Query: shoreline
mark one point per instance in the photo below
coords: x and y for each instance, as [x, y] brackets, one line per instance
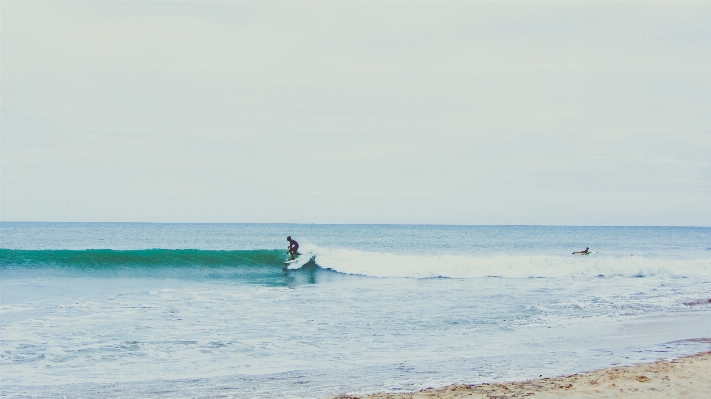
[688, 376]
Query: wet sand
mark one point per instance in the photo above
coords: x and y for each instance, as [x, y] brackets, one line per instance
[687, 377]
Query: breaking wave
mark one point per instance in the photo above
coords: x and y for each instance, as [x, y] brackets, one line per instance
[355, 262]
[506, 266]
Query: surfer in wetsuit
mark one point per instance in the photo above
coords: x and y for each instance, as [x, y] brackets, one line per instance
[582, 252]
[293, 247]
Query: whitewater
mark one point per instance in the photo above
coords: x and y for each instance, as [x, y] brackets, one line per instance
[209, 310]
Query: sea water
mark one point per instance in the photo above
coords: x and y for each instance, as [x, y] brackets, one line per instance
[208, 310]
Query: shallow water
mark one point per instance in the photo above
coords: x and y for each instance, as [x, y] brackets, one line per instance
[374, 308]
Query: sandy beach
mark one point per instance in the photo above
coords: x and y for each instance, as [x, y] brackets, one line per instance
[687, 377]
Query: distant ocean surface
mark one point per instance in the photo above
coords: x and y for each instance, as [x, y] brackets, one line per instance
[208, 310]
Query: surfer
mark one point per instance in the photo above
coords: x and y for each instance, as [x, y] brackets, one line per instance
[583, 252]
[293, 247]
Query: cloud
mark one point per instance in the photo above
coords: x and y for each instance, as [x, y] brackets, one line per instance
[437, 112]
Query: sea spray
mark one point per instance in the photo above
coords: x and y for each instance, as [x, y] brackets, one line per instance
[376, 264]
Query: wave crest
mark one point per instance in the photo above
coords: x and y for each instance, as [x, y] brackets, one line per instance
[373, 264]
[508, 266]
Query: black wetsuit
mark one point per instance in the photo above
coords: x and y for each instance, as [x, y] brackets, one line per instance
[293, 247]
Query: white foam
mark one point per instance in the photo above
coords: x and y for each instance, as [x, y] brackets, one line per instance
[303, 259]
[422, 266]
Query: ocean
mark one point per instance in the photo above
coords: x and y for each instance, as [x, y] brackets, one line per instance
[124, 310]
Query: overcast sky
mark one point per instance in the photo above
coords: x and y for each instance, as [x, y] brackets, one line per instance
[461, 112]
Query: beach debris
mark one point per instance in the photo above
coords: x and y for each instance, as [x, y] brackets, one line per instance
[699, 302]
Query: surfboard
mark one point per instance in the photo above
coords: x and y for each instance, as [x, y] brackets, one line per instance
[300, 260]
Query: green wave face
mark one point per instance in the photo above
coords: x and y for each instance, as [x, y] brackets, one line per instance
[249, 266]
[107, 258]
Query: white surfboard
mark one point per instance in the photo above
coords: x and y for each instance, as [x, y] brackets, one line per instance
[300, 261]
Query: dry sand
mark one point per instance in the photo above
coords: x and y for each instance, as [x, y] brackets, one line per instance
[688, 377]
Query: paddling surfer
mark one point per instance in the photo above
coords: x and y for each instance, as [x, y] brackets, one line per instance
[293, 247]
[583, 252]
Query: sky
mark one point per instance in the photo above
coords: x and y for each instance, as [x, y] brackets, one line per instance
[423, 112]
